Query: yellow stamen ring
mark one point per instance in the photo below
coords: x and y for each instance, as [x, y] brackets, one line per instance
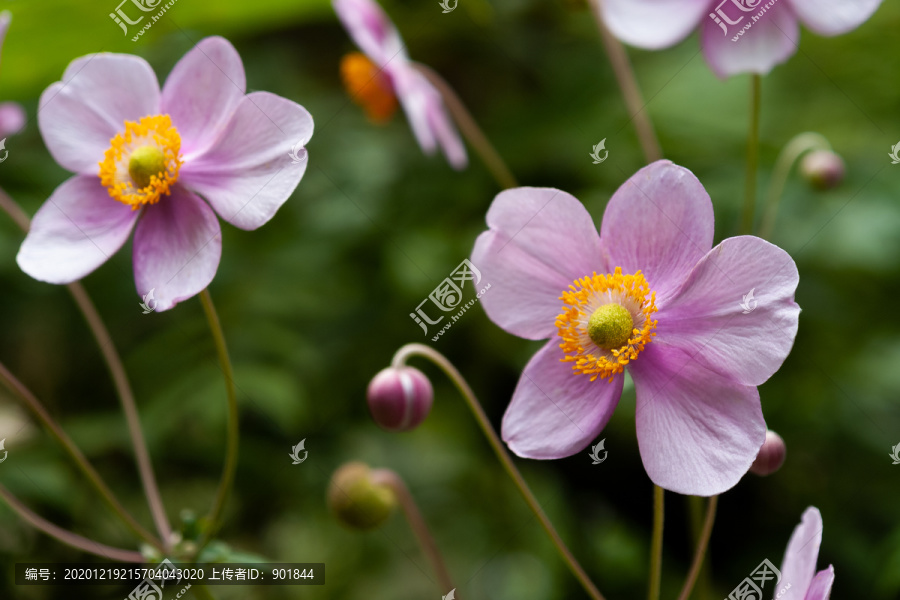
[606, 322]
[142, 162]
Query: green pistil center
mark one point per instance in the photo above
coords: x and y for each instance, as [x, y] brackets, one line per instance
[610, 326]
[145, 162]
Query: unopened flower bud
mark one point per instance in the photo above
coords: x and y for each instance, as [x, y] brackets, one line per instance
[771, 455]
[356, 500]
[400, 398]
[823, 169]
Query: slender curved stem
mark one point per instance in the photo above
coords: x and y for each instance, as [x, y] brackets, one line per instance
[656, 543]
[752, 155]
[447, 367]
[696, 510]
[120, 380]
[790, 154]
[631, 92]
[417, 524]
[231, 452]
[470, 129]
[65, 536]
[700, 553]
[69, 446]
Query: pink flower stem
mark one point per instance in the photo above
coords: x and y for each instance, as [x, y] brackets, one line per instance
[752, 155]
[470, 130]
[35, 406]
[700, 552]
[631, 92]
[65, 536]
[656, 543]
[454, 375]
[417, 524]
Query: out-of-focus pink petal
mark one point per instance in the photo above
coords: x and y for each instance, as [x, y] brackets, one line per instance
[79, 115]
[447, 136]
[12, 118]
[5, 20]
[799, 562]
[202, 92]
[371, 30]
[256, 163]
[539, 242]
[698, 432]
[177, 246]
[653, 24]
[555, 413]
[768, 42]
[76, 230]
[833, 17]
[660, 222]
[417, 96]
[820, 588]
[736, 311]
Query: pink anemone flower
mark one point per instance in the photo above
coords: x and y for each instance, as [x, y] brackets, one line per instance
[799, 580]
[697, 327]
[384, 73]
[12, 116]
[143, 157]
[737, 36]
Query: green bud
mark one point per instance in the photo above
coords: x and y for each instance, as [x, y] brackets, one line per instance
[356, 500]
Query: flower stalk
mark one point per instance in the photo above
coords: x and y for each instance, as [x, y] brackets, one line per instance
[752, 155]
[700, 552]
[656, 543]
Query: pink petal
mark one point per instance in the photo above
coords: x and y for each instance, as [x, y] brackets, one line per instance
[707, 319]
[820, 588]
[418, 97]
[799, 562]
[5, 20]
[371, 29]
[653, 24]
[76, 230]
[202, 92]
[540, 241]
[447, 136]
[555, 413]
[177, 247]
[660, 222]
[698, 432]
[833, 17]
[12, 118]
[256, 163]
[79, 115]
[768, 42]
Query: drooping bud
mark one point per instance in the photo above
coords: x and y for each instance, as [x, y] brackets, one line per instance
[771, 455]
[399, 398]
[356, 500]
[823, 169]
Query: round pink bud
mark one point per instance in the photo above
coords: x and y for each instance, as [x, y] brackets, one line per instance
[771, 455]
[823, 169]
[399, 398]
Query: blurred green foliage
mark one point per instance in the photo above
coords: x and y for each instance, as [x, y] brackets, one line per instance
[316, 302]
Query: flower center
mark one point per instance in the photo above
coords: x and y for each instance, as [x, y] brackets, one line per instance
[368, 86]
[142, 162]
[606, 322]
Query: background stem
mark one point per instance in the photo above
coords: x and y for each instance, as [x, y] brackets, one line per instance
[656, 543]
[752, 155]
[700, 553]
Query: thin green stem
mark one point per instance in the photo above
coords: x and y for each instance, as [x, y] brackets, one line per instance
[656, 543]
[417, 524]
[65, 536]
[447, 367]
[34, 405]
[700, 552]
[120, 380]
[631, 91]
[470, 130]
[793, 150]
[233, 434]
[696, 510]
[752, 155]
